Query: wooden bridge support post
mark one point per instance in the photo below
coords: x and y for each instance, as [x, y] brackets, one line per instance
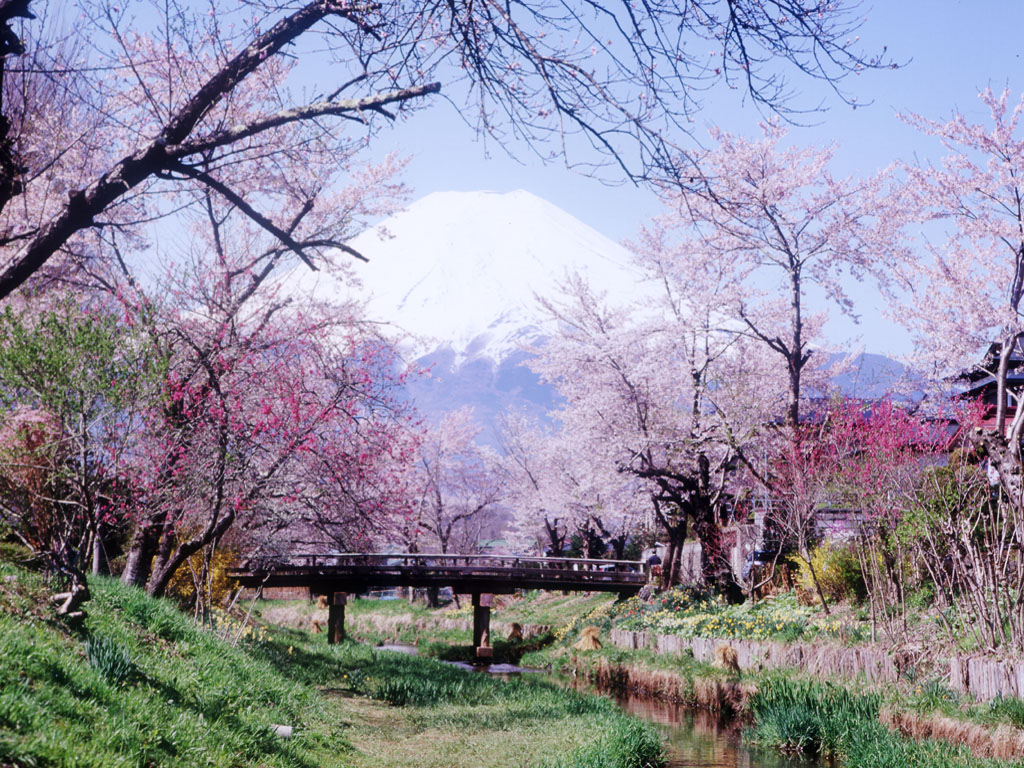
[336, 618]
[482, 625]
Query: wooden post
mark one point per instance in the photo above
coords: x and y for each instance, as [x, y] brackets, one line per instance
[482, 625]
[336, 618]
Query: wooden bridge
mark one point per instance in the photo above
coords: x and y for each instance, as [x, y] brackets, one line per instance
[481, 576]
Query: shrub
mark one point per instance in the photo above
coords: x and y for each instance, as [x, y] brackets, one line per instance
[838, 572]
[182, 586]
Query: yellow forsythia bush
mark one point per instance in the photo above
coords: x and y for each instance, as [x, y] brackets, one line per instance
[182, 586]
[838, 571]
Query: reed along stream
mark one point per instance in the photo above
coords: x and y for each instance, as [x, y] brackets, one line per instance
[692, 739]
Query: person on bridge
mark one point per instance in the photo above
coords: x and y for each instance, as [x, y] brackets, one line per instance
[654, 567]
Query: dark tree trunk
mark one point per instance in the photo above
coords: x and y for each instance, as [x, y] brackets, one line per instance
[556, 540]
[618, 544]
[675, 530]
[716, 571]
[162, 560]
[141, 550]
[167, 566]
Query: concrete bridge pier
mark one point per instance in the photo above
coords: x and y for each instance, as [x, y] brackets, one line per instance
[336, 617]
[482, 602]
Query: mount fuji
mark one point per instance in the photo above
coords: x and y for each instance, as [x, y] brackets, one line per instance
[458, 275]
[462, 270]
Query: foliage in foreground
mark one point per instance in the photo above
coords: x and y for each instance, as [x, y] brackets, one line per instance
[827, 719]
[140, 686]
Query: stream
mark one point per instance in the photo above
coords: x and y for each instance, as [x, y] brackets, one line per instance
[692, 739]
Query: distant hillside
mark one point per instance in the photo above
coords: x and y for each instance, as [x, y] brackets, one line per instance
[871, 376]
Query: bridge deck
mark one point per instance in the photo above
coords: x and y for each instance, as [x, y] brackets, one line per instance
[497, 574]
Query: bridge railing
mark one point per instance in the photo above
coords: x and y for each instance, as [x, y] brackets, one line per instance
[442, 561]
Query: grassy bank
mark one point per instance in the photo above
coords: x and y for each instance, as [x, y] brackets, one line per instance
[525, 721]
[807, 716]
[140, 685]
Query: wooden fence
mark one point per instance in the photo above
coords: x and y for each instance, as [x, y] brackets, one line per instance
[986, 679]
[874, 664]
[982, 678]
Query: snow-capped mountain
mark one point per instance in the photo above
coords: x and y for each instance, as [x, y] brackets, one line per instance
[459, 271]
[458, 275]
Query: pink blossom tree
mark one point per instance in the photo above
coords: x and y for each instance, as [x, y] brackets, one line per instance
[650, 388]
[965, 294]
[526, 452]
[559, 486]
[863, 457]
[779, 231]
[247, 422]
[961, 299]
[456, 486]
[781, 226]
[272, 401]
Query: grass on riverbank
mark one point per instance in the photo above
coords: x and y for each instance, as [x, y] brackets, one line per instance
[140, 685]
[542, 720]
[813, 717]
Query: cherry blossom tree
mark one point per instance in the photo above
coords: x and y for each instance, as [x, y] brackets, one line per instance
[559, 485]
[354, 494]
[246, 413]
[965, 295]
[525, 447]
[456, 485]
[272, 402]
[657, 389]
[115, 115]
[961, 300]
[783, 226]
[780, 230]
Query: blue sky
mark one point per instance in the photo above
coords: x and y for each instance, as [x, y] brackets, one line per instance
[952, 48]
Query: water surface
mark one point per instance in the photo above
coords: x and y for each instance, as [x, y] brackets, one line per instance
[699, 739]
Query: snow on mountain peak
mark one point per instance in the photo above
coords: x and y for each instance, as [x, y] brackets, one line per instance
[462, 269]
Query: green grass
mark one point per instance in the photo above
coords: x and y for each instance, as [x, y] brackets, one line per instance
[140, 685]
[631, 744]
[553, 608]
[806, 716]
[445, 697]
[828, 719]
[789, 714]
